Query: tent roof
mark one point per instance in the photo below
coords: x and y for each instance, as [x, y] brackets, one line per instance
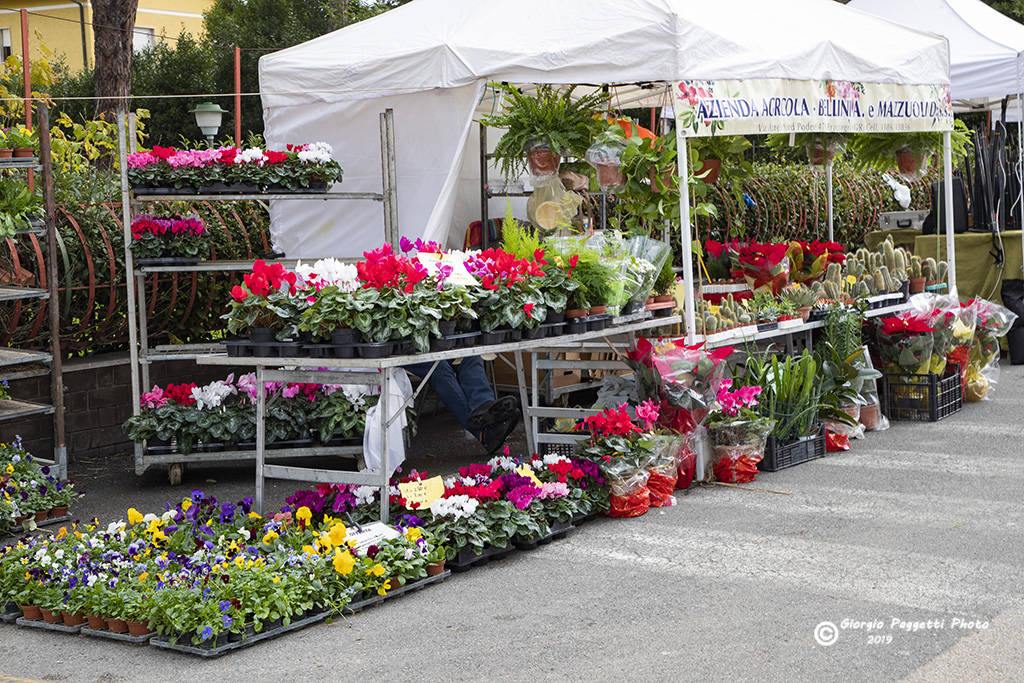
[984, 45]
[429, 44]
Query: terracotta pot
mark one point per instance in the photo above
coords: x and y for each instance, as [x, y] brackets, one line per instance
[650, 300]
[50, 616]
[397, 582]
[41, 515]
[610, 175]
[869, 416]
[117, 625]
[70, 619]
[916, 285]
[96, 623]
[598, 310]
[818, 155]
[139, 628]
[543, 161]
[906, 162]
[664, 298]
[805, 312]
[31, 612]
[575, 313]
[20, 519]
[59, 511]
[23, 152]
[713, 167]
[666, 178]
[6, 152]
[435, 569]
[853, 410]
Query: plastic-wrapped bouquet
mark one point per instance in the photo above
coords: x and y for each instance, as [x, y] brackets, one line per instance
[906, 342]
[992, 322]
[738, 434]
[765, 266]
[808, 260]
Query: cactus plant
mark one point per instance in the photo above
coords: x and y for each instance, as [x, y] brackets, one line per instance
[915, 267]
[943, 269]
[930, 270]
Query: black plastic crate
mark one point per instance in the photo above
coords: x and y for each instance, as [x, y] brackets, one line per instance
[778, 455]
[924, 398]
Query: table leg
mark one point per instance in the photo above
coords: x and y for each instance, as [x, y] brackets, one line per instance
[531, 443]
[261, 411]
[385, 457]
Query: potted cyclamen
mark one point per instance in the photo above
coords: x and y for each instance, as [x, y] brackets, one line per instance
[738, 434]
[257, 305]
[180, 240]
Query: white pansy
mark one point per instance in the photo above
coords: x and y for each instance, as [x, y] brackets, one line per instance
[168, 515]
[409, 553]
[244, 533]
[150, 517]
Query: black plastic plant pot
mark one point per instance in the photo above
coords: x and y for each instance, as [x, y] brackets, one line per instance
[404, 347]
[344, 335]
[555, 317]
[337, 441]
[513, 335]
[264, 350]
[375, 349]
[465, 339]
[318, 350]
[526, 543]
[141, 191]
[442, 344]
[576, 326]
[291, 350]
[663, 313]
[290, 443]
[168, 261]
[493, 337]
[533, 333]
[213, 642]
[344, 351]
[262, 335]
[447, 327]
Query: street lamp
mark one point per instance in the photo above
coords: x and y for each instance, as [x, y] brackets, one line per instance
[208, 116]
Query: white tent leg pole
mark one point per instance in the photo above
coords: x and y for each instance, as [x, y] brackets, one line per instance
[1020, 171]
[947, 167]
[828, 187]
[686, 238]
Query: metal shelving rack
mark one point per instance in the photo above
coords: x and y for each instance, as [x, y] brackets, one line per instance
[24, 363]
[142, 355]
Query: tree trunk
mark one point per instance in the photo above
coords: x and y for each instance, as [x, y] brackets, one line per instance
[113, 25]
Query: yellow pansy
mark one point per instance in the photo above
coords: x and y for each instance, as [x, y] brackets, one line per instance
[343, 562]
[134, 516]
[270, 537]
[253, 515]
[154, 526]
[303, 514]
[143, 576]
[10, 469]
[337, 534]
[62, 532]
[413, 534]
[186, 503]
[378, 569]
[328, 521]
[276, 579]
[240, 561]
[309, 550]
[383, 590]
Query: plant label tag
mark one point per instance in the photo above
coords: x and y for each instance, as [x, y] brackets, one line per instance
[458, 275]
[851, 279]
[525, 471]
[421, 493]
[371, 534]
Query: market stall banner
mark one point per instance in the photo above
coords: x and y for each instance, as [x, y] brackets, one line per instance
[779, 105]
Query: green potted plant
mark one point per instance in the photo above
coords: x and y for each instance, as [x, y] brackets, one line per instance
[605, 155]
[6, 151]
[908, 152]
[544, 127]
[22, 141]
[821, 148]
[716, 150]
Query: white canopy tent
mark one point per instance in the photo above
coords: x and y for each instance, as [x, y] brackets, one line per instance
[431, 60]
[986, 52]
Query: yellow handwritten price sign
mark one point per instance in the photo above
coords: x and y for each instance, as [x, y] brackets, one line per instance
[420, 494]
[525, 471]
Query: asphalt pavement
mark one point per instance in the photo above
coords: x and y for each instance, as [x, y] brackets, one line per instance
[901, 558]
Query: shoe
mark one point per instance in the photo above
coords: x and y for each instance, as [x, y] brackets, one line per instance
[494, 438]
[492, 414]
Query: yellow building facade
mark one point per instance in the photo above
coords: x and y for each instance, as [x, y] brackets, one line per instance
[65, 28]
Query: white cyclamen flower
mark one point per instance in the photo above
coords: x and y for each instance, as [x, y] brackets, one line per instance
[316, 153]
[251, 155]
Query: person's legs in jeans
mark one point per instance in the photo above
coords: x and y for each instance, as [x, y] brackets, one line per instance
[447, 386]
[474, 383]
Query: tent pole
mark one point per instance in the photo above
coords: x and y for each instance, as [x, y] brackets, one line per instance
[686, 239]
[1020, 171]
[828, 185]
[947, 167]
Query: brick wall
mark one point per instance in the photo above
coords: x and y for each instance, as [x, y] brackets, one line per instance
[97, 400]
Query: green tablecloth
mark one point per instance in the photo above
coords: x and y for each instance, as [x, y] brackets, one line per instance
[976, 271]
[901, 238]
